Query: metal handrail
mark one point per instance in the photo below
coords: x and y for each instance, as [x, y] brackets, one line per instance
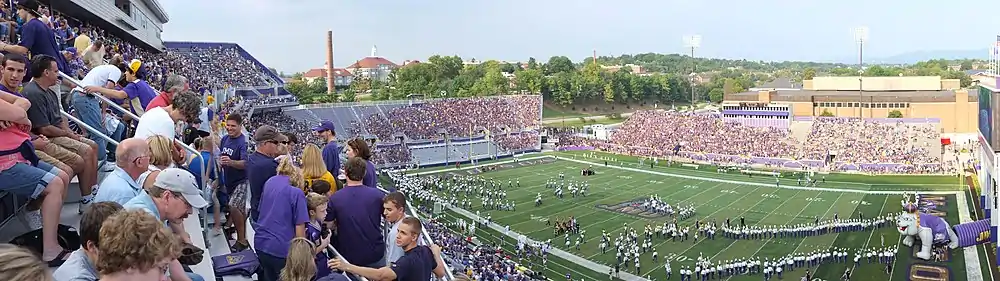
[87, 127]
[424, 235]
[203, 212]
[341, 257]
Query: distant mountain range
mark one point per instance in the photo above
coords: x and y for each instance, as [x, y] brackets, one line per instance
[914, 57]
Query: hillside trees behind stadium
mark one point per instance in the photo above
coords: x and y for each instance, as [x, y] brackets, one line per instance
[924, 68]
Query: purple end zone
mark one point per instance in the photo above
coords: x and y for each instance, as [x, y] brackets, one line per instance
[973, 233]
[927, 272]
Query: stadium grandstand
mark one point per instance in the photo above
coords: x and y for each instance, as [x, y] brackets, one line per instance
[227, 81]
[204, 138]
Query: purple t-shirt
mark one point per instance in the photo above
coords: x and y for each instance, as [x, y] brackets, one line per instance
[370, 179]
[331, 157]
[937, 226]
[284, 208]
[417, 264]
[142, 91]
[260, 168]
[358, 212]
[40, 40]
[14, 91]
[236, 149]
[314, 234]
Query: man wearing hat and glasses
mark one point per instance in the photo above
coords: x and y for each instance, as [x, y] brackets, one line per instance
[260, 165]
[173, 196]
[37, 38]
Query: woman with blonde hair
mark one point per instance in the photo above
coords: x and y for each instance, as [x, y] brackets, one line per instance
[20, 264]
[162, 152]
[161, 156]
[299, 265]
[313, 168]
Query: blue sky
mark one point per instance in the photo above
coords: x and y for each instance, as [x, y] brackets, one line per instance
[290, 34]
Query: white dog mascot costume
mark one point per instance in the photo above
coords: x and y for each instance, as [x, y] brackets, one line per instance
[929, 229]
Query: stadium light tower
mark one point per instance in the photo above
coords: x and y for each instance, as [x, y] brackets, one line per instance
[693, 42]
[860, 36]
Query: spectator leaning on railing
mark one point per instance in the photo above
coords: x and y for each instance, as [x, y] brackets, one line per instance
[46, 120]
[23, 174]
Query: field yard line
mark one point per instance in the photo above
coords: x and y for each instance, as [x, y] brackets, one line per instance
[619, 215]
[552, 205]
[803, 241]
[546, 206]
[881, 192]
[709, 215]
[873, 234]
[730, 204]
[829, 182]
[764, 218]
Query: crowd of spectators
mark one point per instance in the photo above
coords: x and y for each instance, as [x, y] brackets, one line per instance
[480, 261]
[708, 137]
[518, 141]
[457, 117]
[86, 46]
[657, 133]
[870, 142]
[216, 67]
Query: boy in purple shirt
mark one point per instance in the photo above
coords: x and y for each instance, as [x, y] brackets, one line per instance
[317, 233]
[283, 216]
[356, 213]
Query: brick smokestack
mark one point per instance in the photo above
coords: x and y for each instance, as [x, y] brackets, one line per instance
[329, 62]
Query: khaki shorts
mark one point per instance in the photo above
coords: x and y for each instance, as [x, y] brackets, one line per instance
[69, 151]
[45, 157]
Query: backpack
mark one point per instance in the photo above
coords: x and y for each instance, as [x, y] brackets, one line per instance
[69, 239]
[243, 263]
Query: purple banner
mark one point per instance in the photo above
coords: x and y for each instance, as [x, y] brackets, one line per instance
[973, 233]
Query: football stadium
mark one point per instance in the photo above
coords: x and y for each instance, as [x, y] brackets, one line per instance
[126, 157]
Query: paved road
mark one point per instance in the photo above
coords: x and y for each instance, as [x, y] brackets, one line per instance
[595, 117]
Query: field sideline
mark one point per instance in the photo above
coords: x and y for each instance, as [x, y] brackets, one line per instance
[715, 197]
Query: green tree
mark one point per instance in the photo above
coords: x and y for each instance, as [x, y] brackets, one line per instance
[826, 113]
[966, 65]
[558, 64]
[532, 64]
[716, 95]
[529, 81]
[447, 66]
[349, 96]
[317, 85]
[808, 73]
[895, 114]
[421, 78]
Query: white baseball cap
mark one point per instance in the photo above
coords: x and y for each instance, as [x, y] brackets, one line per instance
[183, 182]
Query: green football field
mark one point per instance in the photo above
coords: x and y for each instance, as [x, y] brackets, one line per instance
[716, 197]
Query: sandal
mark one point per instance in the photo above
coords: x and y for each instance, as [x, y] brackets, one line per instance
[60, 258]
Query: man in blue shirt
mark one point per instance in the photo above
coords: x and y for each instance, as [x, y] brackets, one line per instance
[261, 165]
[123, 184]
[37, 38]
[233, 155]
[356, 213]
[417, 263]
[331, 152]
